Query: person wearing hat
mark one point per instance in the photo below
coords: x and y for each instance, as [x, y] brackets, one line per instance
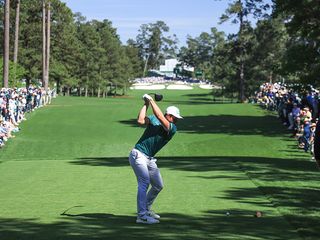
[305, 138]
[160, 128]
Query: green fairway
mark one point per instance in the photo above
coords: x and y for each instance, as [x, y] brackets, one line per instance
[66, 175]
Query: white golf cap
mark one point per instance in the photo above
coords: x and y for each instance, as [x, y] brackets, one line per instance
[174, 111]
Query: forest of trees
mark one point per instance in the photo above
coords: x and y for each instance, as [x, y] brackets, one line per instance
[282, 44]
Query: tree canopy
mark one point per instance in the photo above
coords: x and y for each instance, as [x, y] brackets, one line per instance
[85, 55]
[278, 42]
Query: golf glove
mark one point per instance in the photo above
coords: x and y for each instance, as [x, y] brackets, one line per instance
[148, 97]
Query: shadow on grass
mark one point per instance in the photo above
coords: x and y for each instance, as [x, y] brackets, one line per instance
[209, 225]
[204, 98]
[273, 166]
[194, 102]
[299, 205]
[227, 124]
[200, 99]
[259, 168]
[301, 196]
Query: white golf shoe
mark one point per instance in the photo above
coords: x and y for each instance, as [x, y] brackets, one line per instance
[152, 214]
[147, 220]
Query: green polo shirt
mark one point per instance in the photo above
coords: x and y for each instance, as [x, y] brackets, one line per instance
[154, 137]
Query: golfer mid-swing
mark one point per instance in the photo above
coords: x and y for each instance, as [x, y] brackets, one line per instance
[160, 129]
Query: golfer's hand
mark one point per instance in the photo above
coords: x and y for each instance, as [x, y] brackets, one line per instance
[147, 98]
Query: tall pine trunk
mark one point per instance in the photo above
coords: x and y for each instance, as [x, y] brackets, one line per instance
[46, 19]
[6, 45]
[16, 42]
[271, 77]
[44, 42]
[48, 38]
[241, 72]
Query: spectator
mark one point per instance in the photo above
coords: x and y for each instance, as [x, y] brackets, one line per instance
[317, 144]
[315, 105]
[312, 130]
[14, 103]
[293, 115]
[305, 139]
[299, 109]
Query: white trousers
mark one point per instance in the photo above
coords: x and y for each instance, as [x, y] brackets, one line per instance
[147, 172]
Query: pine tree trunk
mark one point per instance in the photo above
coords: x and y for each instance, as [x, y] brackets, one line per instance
[241, 72]
[16, 42]
[271, 77]
[43, 42]
[99, 92]
[6, 45]
[146, 66]
[242, 90]
[46, 84]
[86, 92]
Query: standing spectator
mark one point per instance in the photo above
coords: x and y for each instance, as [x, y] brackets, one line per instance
[312, 131]
[310, 100]
[29, 100]
[315, 105]
[317, 144]
[12, 110]
[293, 116]
[288, 109]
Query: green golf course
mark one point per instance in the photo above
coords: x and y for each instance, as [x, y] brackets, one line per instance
[66, 174]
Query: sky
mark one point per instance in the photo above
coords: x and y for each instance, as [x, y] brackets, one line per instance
[183, 17]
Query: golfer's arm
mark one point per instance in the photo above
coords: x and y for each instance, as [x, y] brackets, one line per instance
[142, 118]
[158, 113]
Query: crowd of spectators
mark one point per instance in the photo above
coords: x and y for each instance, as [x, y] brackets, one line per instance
[15, 103]
[150, 80]
[297, 107]
[168, 80]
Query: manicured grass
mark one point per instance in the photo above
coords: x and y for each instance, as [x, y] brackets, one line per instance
[66, 174]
